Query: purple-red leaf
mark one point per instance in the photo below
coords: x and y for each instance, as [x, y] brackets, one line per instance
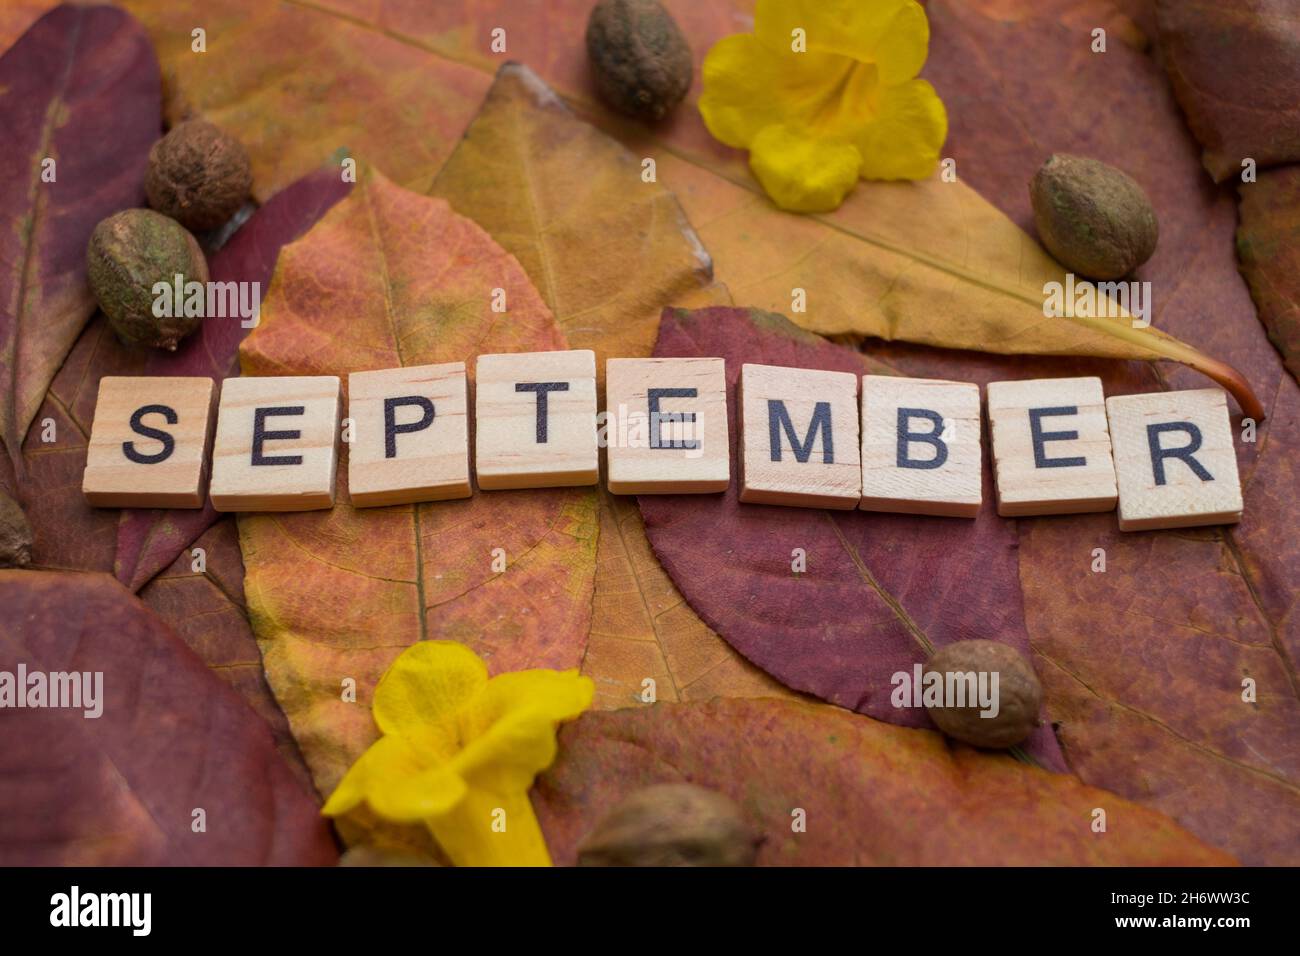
[125, 788]
[1235, 65]
[881, 592]
[80, 105]
[1268, 250]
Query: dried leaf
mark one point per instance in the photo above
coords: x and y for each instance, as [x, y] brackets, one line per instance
[881, 592]
[870, 794]
[391, 278]
[1207, 608]
[80, 88]
[1235, 68]
[642, 627]
[123, 788]
[206, 609]
[1268, 248]
[605, 249]
[416, 104]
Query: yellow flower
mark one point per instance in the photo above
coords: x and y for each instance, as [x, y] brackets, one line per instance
[824, 91]
[459, 752]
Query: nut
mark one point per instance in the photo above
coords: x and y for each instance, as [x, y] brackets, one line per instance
[198, 175]
[671, 824]
[639, 58]
[1018, 694]
[15, 534]
[1092, 217]
[129, 253]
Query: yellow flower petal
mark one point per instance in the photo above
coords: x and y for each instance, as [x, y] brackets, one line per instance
[800, 173]
[428, 684]
[396, 782]
[903, 142]
[488, 829]
[741, 79]
[520, 713]
[892, 34]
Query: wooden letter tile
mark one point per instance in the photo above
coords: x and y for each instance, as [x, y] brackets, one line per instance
[666, 428]
[799, 437]
[276, 446]
[1051, 447]
[410, 435]
[149, 443]
[1175, 460]
[921, 446]
[535, 420]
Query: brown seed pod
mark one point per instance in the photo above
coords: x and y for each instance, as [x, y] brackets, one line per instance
[129, 253]
[1092, 217]
[639, 58]
[15, 534]
[198, 175]
[1019, 695]
[671, 824]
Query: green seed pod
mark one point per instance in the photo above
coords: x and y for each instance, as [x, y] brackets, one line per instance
[15, 534]
[129, 253]
[1093, 218]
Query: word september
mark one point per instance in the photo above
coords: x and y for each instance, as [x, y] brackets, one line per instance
[808, 438]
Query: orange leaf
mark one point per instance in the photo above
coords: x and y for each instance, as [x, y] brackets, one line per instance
[872, 794]
[390, 278]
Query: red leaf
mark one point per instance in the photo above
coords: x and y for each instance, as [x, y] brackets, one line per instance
[1268, 248]
[207, 611]
[81, 87]
[1235, 67]
[881, 591]
[121, 789]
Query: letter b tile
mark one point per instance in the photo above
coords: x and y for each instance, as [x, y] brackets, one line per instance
[921, 446]
[277, 442]
[1051, 447]
[1175, 460]
[799, 437]
[149, 443]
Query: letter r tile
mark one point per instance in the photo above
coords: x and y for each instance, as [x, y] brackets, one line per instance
[1175, 459]
[149, 443]
[1051, 447]
[277, 444]
[535, 420]
[799, 437]
[921, 446]
[410, 435]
